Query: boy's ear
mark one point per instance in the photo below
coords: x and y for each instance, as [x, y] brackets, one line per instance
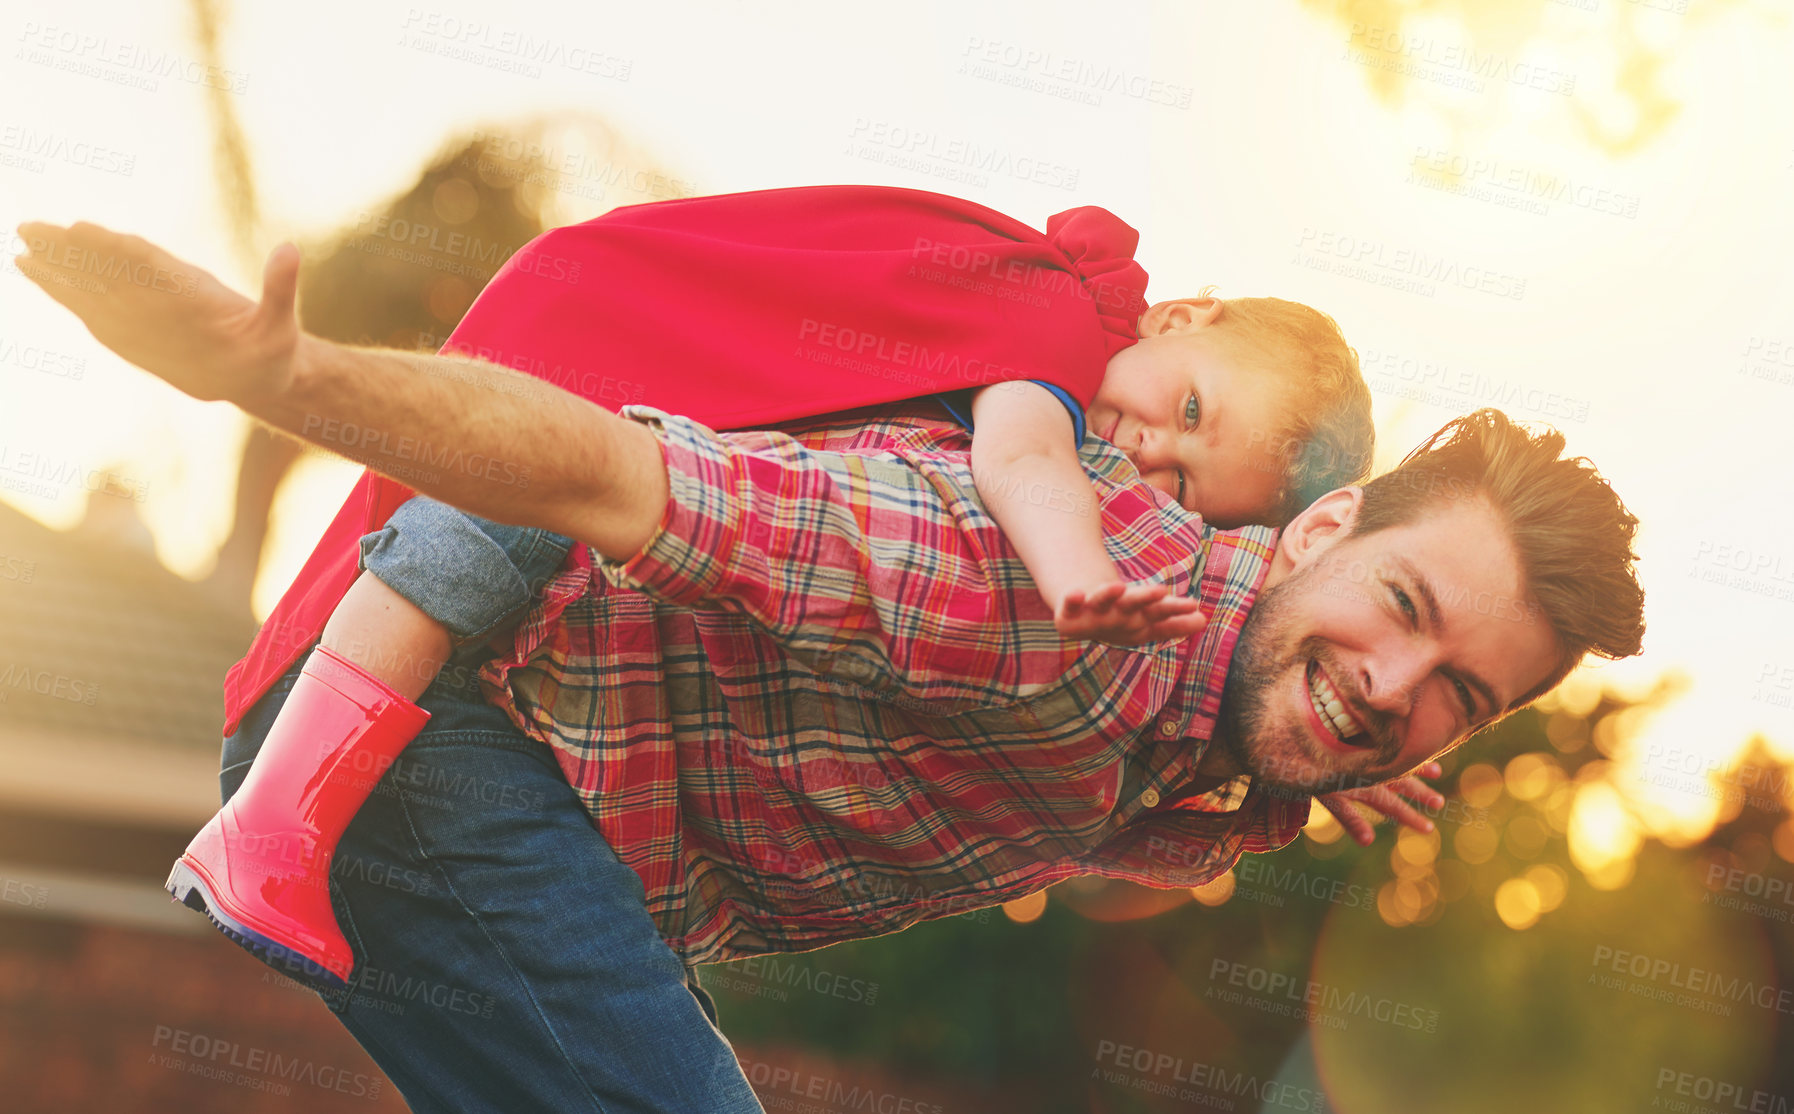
[1180, 315]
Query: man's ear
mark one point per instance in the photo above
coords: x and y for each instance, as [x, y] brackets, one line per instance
[1325, 523]
[1180, 315]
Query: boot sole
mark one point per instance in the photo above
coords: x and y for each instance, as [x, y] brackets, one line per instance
[190, 888]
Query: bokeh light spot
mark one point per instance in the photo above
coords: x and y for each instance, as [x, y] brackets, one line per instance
[1215, 891]
[1480, 784]
[1517, 903]
[1025, 909]
[455, 201]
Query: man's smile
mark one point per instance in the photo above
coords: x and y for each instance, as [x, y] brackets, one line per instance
[1331, 718]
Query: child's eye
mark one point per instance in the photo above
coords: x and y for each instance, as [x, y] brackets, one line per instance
[1180, 489]
[1192, 412]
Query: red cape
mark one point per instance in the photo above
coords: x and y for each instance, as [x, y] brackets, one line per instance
[748, 310]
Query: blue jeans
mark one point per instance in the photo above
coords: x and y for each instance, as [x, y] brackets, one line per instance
[504, 958]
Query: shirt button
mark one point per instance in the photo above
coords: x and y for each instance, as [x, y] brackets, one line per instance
[1167, 728]
[1150, 798]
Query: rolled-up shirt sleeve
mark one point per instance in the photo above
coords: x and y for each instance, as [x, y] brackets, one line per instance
[879, 567]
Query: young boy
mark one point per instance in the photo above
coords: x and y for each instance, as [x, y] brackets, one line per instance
[1241, 411]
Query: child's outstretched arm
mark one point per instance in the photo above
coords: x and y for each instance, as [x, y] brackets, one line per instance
[1028, 474]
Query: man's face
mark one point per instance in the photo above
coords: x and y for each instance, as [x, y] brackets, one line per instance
[1375, 654]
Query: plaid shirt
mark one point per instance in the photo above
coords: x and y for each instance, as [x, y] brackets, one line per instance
[826, 701]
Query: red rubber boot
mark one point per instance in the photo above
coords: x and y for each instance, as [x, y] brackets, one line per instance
[260, 869]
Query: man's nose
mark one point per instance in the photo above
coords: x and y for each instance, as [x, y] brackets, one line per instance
[1390, 680]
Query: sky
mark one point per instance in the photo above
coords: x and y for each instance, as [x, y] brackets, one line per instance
[1582, 211]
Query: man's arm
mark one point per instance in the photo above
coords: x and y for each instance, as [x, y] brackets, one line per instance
[887, 568]
[492, 441]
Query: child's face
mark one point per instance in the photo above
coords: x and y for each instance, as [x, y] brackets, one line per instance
[1197, 424]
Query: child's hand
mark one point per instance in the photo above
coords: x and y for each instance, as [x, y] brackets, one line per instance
[1128, 614]
[1394, 799]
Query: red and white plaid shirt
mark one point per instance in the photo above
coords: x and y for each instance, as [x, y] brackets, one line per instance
[826, 701]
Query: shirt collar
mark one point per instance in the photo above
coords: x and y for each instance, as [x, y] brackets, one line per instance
[1234, 566]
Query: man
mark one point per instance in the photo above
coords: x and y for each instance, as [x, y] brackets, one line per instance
[834, 706]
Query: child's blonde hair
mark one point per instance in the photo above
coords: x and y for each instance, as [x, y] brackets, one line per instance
[1327, 439]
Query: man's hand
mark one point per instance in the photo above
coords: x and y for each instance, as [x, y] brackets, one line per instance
[512, 448]
[1128, 614]
[1394, 799]
[167, 316]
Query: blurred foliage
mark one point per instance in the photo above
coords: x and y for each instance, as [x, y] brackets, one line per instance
[401, 273]
[1618, 54]
[1489, 937]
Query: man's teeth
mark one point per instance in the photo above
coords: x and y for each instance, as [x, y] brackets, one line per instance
[1329, 707]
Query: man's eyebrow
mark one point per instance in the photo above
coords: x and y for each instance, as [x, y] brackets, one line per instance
[1436, 620]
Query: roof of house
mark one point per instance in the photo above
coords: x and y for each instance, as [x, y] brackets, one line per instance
[98, 640]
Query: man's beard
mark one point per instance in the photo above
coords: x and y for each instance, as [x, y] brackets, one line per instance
[1256, 725]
